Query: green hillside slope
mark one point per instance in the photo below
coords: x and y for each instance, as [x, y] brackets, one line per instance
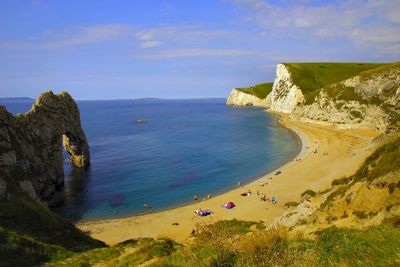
[31, 234]
[259, 90]
[312, 76]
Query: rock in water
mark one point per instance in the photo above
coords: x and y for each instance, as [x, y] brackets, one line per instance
[31, 144]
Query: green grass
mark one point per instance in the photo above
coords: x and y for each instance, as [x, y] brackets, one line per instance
[308, 192]
[259, 90]
[311, 77]
[384, 160]
[31, 230]
[383, 67]
[375, 246]
[128, 253]
[291, 204]
[228, 243]
[27, 217]
[20, 250]
[338, 192]
[341, 181]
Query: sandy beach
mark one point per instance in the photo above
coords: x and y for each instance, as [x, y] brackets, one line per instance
[339, 153]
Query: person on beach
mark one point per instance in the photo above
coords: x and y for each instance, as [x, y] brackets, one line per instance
[239, 184]
[209, 195]
[195, 198]
[273, 200]
[148, 208]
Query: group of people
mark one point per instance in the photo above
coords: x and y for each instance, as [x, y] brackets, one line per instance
[196, 198]
[264, 197]
[201, 212]
[246, 194]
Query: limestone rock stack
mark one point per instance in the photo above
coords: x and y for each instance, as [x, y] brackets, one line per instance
[31, 145]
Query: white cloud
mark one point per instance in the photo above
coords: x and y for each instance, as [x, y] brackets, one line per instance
[73, 37]
[146, 38]
[150, 44]
[89, 35]
[374, 22]
[194, 52]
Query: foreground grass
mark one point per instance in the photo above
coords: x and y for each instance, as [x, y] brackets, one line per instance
[225, 243]
[129, 253]
[30, 234]
[375, 246]
[259, 90]
[20, 250]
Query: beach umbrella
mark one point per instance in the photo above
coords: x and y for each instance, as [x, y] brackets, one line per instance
[229, 205]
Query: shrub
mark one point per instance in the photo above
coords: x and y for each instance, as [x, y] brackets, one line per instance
[308, 192]
[392, 187]
[341, 190]
[356, 114]
[340, 181]
[291, 204]
[360, 214]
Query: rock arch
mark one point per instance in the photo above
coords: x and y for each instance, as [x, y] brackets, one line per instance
[31, 144]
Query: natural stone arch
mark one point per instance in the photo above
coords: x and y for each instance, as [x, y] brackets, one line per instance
[31, 143]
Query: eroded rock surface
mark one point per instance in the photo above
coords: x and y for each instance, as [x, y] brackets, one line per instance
[368, 100]
[31, 145]
[239, 98]
[285, 95]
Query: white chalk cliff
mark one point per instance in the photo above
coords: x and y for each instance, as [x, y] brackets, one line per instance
[377, 107]
[285, 95]
[374, 104]
[239, 98]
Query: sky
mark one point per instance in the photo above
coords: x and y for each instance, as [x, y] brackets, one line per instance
[181, 49]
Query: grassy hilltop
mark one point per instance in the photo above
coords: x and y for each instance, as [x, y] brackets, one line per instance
[311, 77]
[259, 90]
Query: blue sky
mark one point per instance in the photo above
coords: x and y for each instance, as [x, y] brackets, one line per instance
[177, 49]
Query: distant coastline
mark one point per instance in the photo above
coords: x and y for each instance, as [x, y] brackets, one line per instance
[15, 99]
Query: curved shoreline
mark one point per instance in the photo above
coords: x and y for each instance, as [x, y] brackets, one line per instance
[340, 161]
[300, 141]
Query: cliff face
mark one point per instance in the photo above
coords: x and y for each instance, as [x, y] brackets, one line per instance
[238, 98]
[368, 100]
[285, 95]
[31, 145]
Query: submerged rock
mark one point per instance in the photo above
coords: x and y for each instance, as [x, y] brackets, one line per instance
[31, 144]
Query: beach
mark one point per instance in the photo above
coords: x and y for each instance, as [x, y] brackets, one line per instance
[339, 152]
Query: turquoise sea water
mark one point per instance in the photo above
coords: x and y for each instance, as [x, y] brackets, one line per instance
[186, 147]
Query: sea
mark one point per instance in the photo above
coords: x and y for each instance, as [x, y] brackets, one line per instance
[185, 148]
